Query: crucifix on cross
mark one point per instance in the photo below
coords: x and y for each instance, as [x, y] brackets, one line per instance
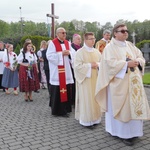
[53, 20]
[133, 37]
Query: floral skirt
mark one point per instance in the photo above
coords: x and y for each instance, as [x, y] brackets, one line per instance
[27, 83]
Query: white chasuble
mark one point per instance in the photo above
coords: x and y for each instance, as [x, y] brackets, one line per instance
[87, 110]
[128, 97]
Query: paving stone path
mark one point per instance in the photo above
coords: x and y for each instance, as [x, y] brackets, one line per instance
[30, 126]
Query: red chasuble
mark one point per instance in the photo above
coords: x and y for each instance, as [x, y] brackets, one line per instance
[61, 71]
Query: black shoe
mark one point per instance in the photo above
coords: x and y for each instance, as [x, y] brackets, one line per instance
[31, 100]
[128, 142]
[37, 91]
[135, 138]
[3, 89]
[90, 127]
[66, 116]
[95, 125]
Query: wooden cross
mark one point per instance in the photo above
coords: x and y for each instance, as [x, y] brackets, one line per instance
[53, 21]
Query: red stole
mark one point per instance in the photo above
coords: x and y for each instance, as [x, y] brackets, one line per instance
[61, 71]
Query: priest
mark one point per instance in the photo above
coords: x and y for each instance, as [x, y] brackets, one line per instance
[86, 63]
[59, 55]
[76, 44]
[119, 90]
[100, 45]
[2, 52]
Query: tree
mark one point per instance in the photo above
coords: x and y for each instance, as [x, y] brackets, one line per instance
[71, 31]
[11, 32]
[107, 26]
[4, 28]
[65, 25]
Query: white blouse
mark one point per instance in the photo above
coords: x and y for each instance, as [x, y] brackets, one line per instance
[12, 58]
[29, 56]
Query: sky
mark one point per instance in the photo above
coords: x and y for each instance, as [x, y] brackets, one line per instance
[102, 11]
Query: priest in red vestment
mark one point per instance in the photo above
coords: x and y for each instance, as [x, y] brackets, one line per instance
[59, 56]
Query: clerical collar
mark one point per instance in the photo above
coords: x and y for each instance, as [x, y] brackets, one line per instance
[107, 41]
[120, 43]
[61, 42]
[1, 49]
[89, 49]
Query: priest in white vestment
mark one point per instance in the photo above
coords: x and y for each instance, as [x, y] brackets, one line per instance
[86, 63]
[119, 90]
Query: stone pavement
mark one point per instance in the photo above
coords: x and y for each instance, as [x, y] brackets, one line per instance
[30, 126]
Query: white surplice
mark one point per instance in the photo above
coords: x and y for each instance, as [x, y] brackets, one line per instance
[55, 59]
[1, 63]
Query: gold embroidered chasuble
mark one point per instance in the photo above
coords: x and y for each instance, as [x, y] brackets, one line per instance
[100, 45]
[128, 97]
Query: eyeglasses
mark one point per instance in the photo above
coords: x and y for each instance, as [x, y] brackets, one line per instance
[92, 39]
[123, 31]
[63, 32]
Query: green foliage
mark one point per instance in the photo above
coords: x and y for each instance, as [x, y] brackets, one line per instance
[36, 40]
[17, 49]
[15, 32]
[65, 25]
[146, 78]
[107, 26]
[4, 28]
[71, 31]
[141, 44]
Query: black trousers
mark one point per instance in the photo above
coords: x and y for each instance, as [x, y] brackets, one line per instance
[1, 87]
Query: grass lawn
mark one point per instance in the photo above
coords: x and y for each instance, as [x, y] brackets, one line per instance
[146, 78]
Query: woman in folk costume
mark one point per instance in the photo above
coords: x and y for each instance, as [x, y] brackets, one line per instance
[28, 71]
[10, 74]
[119, 90]
[42, 75]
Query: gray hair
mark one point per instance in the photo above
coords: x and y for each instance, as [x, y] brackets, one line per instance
[106, 31]
[60, 28]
